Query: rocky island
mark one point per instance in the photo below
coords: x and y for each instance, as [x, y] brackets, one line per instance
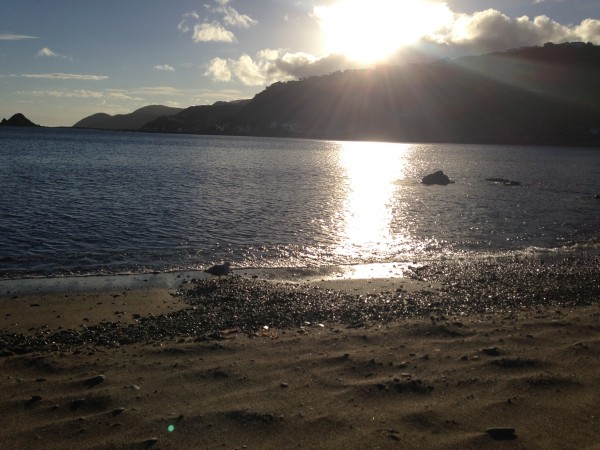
[18, 120]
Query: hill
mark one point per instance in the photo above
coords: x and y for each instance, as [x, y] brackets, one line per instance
[206, 119]
[131, 121]
[536, 95]
[18, 120]
[548, 95]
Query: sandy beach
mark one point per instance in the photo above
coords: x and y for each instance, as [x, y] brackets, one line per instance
[449, 356]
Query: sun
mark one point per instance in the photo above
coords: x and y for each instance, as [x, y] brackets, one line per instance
[370, 31]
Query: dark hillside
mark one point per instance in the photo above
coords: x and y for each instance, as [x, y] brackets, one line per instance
[131, 121]
[547, 94]
[209, 119]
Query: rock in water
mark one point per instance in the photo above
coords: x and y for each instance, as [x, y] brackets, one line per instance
[18, 120]
[219, 269]
[438, 177]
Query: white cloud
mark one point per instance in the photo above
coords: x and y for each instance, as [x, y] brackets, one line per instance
[212, 32]
[64, 76]
[589, 31]
[15, 37]
[184, 26]
[218, 70]
[46, 52]
[159, 90]
[165, 68]
[81, 93]
[214, 27]
[249, 72]
[235, 19]
[271, 65]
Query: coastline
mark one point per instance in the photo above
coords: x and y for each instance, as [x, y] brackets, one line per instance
[428, 360]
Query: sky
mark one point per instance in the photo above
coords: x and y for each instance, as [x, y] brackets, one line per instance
[63, 60]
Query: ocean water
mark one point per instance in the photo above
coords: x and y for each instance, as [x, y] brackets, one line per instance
[77, 202]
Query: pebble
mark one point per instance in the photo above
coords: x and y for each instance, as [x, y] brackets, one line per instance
[470, 287]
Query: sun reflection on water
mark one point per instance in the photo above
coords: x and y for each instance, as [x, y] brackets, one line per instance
[372, 170]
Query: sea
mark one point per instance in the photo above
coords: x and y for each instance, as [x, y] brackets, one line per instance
[87, 203]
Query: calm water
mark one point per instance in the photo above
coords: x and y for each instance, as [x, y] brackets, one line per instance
[87, 202]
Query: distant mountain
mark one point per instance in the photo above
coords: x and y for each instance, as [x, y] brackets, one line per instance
[548, 95]
[536, 95]
[206, 119]
[131, 121]
[18, 120]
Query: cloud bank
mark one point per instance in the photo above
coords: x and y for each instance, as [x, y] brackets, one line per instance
[269, 66]
[64, 76]
[460, 34]
[15, 37]
[491, 30]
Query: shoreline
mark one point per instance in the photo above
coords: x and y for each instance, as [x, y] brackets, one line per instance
[313, 362]
[173, 279]
[337, 294]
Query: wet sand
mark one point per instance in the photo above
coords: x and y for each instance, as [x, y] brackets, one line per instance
[432, 360]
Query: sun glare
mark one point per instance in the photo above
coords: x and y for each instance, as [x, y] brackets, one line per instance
[371, 169]
[370, 31]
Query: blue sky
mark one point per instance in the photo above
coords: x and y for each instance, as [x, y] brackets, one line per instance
[62, 60]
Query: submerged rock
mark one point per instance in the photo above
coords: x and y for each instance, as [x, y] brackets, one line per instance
[503, 181]
[438, 177]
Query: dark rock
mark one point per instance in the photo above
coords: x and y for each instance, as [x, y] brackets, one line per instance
[438, 177]
[501, 433]
[91, 382]
[219, 269]
[118, 411]
[34, 399]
